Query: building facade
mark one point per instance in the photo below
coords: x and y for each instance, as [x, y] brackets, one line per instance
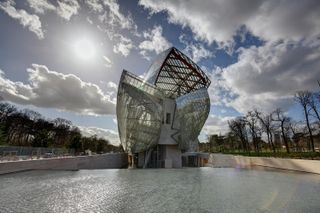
[161, 115]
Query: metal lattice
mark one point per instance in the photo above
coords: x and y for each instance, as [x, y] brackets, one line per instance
[176, 74]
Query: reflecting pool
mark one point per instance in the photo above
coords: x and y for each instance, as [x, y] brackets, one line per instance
[160, 190]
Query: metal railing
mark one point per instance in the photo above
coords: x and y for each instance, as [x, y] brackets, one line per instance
[16, 153]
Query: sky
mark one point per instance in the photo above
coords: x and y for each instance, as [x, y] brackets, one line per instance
[64, 58]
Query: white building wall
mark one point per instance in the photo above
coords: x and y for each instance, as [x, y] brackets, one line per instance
[166, 131]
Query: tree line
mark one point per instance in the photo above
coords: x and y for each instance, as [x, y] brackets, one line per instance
[258, 132]
[29, 128]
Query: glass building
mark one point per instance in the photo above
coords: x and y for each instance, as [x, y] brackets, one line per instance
[161, 115]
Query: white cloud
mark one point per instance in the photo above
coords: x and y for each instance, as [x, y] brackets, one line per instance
[196, 50]
[145, 55]
[108, 62]
[266, 77]
[115, 17]
[156, 42]
[111, 89]
[32, 22]
[217, 89]
[89, 20]
[94, 5]
[51, 89]
[112, 85]
[40, 6]
[67, 8]
[107, 134]
[216, 125]
[215, 20]
[113, 21]
[123, 46]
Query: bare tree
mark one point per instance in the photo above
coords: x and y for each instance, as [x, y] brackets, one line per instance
[238, 128]
[30, 128]
[284, 121]
[252, 122]
[6, 109]
[314, 106]
[33, 115]
[304, 98]
[61, 128]
[267, 126]
[297, 134]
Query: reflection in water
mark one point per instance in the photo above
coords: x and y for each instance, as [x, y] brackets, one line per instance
[174, 190]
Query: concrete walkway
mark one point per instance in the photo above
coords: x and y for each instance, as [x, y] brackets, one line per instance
[236, 161]
[104, 161]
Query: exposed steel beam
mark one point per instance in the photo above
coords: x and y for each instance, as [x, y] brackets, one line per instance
[189, 65]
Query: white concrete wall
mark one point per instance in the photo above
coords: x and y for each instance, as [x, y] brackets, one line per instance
[221, 160]
[166, 131]
[104, 161]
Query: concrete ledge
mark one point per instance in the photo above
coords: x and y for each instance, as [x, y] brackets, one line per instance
[235, 161]
[104, 161]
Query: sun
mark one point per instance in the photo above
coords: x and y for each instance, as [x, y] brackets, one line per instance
[84, 49]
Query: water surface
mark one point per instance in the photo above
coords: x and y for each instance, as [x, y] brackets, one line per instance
[173, 190]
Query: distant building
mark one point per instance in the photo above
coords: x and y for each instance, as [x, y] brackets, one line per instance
[161, 115]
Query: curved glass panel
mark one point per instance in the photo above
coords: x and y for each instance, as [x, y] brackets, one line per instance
[153, 71]
[139, 114]
[192, 112]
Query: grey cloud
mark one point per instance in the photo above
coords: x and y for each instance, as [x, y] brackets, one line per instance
[51, 89]
[31, 21]
[266, 77]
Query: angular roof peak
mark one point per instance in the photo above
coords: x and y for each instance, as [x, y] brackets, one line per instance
[176, 73]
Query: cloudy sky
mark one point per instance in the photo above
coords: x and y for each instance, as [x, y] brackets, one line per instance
[64, 58]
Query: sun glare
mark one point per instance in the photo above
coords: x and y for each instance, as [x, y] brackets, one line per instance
[84, 49]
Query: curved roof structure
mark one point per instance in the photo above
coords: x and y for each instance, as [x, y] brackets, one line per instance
[173, 85]
[176, 74]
